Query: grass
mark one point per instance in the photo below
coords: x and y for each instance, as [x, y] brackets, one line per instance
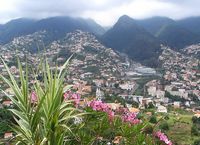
[180, 129]
[180, 123]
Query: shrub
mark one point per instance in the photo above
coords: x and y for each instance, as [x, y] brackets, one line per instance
[164, 126]
[151, 105]
[148, 129]
[195, 120]
[166, 117]
[153, 119]
[194, 130]
[196, 142]
[6, 119]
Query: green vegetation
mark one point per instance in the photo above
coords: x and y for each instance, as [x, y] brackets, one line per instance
[153, 119]
[196, 142]
[6, 119]
[195, 130]
[141, 82]
[177, 124]
[180, 123]
[43, 118]
[114, 98]
[174, 98]
[164, 126]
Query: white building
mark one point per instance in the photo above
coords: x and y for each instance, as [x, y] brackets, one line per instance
[99, 94]
[177, 104]
[160, 94]
[152, 91]
[161, 109]
[127, 86]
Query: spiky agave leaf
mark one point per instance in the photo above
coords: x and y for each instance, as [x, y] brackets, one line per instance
[48, 120]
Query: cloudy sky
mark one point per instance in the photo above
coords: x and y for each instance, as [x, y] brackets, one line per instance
[105, 12]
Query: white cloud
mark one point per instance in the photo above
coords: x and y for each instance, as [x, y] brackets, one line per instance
[105, 12]
[137, 9]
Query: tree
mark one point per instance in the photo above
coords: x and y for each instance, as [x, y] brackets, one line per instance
[135, 104]
[148, 129]
[195, 120]
[153, 119]
[151, 106]
[6, 119]
[4, 127]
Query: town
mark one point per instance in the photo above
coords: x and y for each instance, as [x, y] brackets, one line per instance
[102, 73]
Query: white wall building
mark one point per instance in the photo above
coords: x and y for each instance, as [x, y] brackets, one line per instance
[161, 109]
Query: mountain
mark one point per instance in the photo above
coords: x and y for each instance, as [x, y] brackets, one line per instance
[57, 27]
[96, 28]
[90, 56]
[32, 42]
[128, 37]
[177, 37]
[191, 23]
[176, 34]
[15, 28]
[155, 24]
[91, 60]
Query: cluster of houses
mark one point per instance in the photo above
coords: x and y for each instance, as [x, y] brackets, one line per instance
[182, 74]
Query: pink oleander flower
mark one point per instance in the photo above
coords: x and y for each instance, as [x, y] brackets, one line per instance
[130, 117]
[97, 105]
[111, 114]
[100, 106]
[122, 110]
[67, 95]
[72, 96]
[33, 97]
[76, 98]
[162, 137]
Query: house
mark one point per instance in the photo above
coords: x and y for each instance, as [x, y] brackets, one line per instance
[161, 109]
[197, 115]
[146, 101]
[152, 91]
[149, 113]
[114, 106]
[160, 94]
[127, 86]
[177, 104]
[8, 135]
[7, 103]
[99, 94]
[134, 110]
[9, 91]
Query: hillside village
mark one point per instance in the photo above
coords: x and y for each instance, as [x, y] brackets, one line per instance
[99, 71]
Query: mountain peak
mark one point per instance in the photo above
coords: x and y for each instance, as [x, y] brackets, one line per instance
[126, 19]
[128, 37]
[125, 22]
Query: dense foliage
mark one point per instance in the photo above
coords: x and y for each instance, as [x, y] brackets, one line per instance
[6, 119]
